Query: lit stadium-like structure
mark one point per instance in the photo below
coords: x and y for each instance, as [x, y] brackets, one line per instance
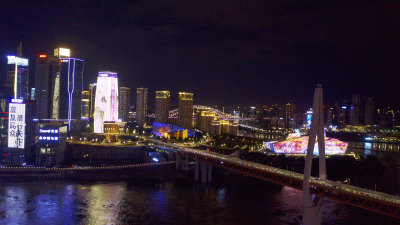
[171, 131]
[296, 144]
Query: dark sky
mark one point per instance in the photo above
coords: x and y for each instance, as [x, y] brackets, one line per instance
[225, 52]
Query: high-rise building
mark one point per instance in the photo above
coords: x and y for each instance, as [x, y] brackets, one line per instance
[59, 84]
[106, 103]
[343, 112]
[67, 97]
[141, 105]
[329, 116]
[85, 104]
[185, 110]
[162, 106]
[205, 119]
[289, 115]
[16, 85]
[369, 112]
[124, 101]
[355, 110]
[47, 69]
[335, 113]
[92, 97]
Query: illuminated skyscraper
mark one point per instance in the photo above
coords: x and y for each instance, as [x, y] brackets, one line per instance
[106, 103]
[16, 85]
[141, 105]
[47, 69]
[162, 106]
[67, 97]
[85, 104]
[289, 115]
[355, 110]
[185, 110]
[124, 101]
[92, 97]
[61, 83]
[369, 112]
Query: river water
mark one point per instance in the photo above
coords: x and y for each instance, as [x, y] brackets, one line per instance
[241, 201]
[227, 200]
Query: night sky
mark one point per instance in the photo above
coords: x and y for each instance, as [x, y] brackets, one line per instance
[225, 52]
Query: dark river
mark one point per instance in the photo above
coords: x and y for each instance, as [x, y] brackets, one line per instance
[228, 200]
[243, 201]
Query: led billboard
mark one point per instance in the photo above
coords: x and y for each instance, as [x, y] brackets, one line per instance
[16, 125]
[309, 116]
[106, 101]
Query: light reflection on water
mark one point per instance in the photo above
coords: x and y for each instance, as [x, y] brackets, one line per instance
[246, 201]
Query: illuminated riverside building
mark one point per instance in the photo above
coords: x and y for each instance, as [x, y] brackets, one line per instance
[162, 106]
[141, 105]
[185, 110]
[171, 131]
[123, 103]
[47, 82]
[61, 84]
[14, 87]
[92, 98]
[67, 98]
[106, 103]
[224, 127]
[85, 104]
[204, 120]
[47, 69]
[51, 144]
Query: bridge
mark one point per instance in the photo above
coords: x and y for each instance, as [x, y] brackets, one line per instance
[224, 116]
[351, 195]
[218, 113]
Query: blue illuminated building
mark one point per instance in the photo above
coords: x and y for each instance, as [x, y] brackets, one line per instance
[171, 131]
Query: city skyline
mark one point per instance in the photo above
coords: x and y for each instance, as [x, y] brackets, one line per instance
[199, 112]
[41, 57]
[224, 57]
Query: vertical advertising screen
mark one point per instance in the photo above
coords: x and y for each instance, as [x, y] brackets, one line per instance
[16, 125]
[106, 101]
[309, 116]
